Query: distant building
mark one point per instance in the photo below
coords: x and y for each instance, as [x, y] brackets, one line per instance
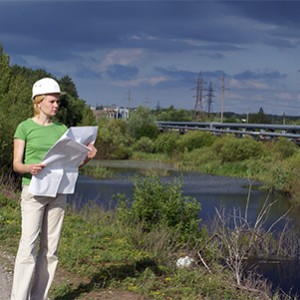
[123, 113]
[112, 113]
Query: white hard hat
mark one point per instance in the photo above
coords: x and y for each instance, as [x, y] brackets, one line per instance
[45, 86]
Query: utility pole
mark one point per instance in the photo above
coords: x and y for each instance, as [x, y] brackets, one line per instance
[222, 100]
[210, 95]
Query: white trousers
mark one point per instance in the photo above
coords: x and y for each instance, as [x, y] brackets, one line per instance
[33, 274]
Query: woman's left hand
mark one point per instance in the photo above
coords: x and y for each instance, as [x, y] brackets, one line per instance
[93, 151]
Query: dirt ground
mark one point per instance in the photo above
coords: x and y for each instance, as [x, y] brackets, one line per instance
[113, 295]
[61, 277]
[6, 275]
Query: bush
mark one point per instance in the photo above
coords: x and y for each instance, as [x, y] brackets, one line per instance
[230, 148]
[284, 176]
[203, 160]
[122, 152]
[197, 139]
[144, 144]
[167, 142]
[155, 204]
[142, 123]
[112, 140]
[283, 148]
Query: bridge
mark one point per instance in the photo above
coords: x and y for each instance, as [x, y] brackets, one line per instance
[258, 131]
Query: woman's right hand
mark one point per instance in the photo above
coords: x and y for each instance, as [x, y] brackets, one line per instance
[34, 169]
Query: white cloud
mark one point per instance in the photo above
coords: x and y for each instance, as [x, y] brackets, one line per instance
[153, 81]
[286, 96]
[248, 84]
[123, 57]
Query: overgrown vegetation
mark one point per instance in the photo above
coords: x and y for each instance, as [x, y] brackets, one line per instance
[135, 248]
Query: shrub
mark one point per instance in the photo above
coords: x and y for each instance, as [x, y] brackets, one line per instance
[284, 176]
[144, 144]
[155, 204]
[230, 148]
[122, 152]
[197, 139]
[203, 160]
[283, 148]
[112, 140]
[167, 142]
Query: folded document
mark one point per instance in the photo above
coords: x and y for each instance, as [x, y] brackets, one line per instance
[62, 161]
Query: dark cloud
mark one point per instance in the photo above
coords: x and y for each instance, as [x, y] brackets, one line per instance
[87, 73]
[66, 27]
[246, 75]
[188, 76]
[178, 75]
[214, 55]
[276, 12]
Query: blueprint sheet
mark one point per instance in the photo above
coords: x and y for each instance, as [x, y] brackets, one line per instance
[62, 161]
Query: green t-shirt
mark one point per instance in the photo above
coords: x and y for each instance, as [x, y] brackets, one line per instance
[38, 140]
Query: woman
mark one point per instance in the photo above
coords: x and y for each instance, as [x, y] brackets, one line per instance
[33, 138]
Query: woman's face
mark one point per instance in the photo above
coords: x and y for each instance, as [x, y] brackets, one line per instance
[49, 106]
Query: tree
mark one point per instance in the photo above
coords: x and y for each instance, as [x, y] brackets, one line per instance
[5, 72]
[112, 141]
[68, 86]
[142, 123]
[70, 110]
[259, 118]
[88, 117]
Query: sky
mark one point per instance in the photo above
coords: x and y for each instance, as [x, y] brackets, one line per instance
[157, 53]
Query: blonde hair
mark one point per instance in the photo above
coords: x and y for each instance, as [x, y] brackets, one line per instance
[36, 102]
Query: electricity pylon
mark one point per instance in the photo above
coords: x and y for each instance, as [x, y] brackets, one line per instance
[198, 109]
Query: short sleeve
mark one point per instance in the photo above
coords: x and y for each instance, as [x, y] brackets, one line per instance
[20, 132]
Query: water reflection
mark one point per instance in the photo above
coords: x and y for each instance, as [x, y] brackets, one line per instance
[284, 275]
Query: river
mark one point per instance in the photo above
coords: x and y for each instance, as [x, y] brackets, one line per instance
[212, 192]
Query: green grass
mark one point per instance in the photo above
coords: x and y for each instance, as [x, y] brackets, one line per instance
[97, 172]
